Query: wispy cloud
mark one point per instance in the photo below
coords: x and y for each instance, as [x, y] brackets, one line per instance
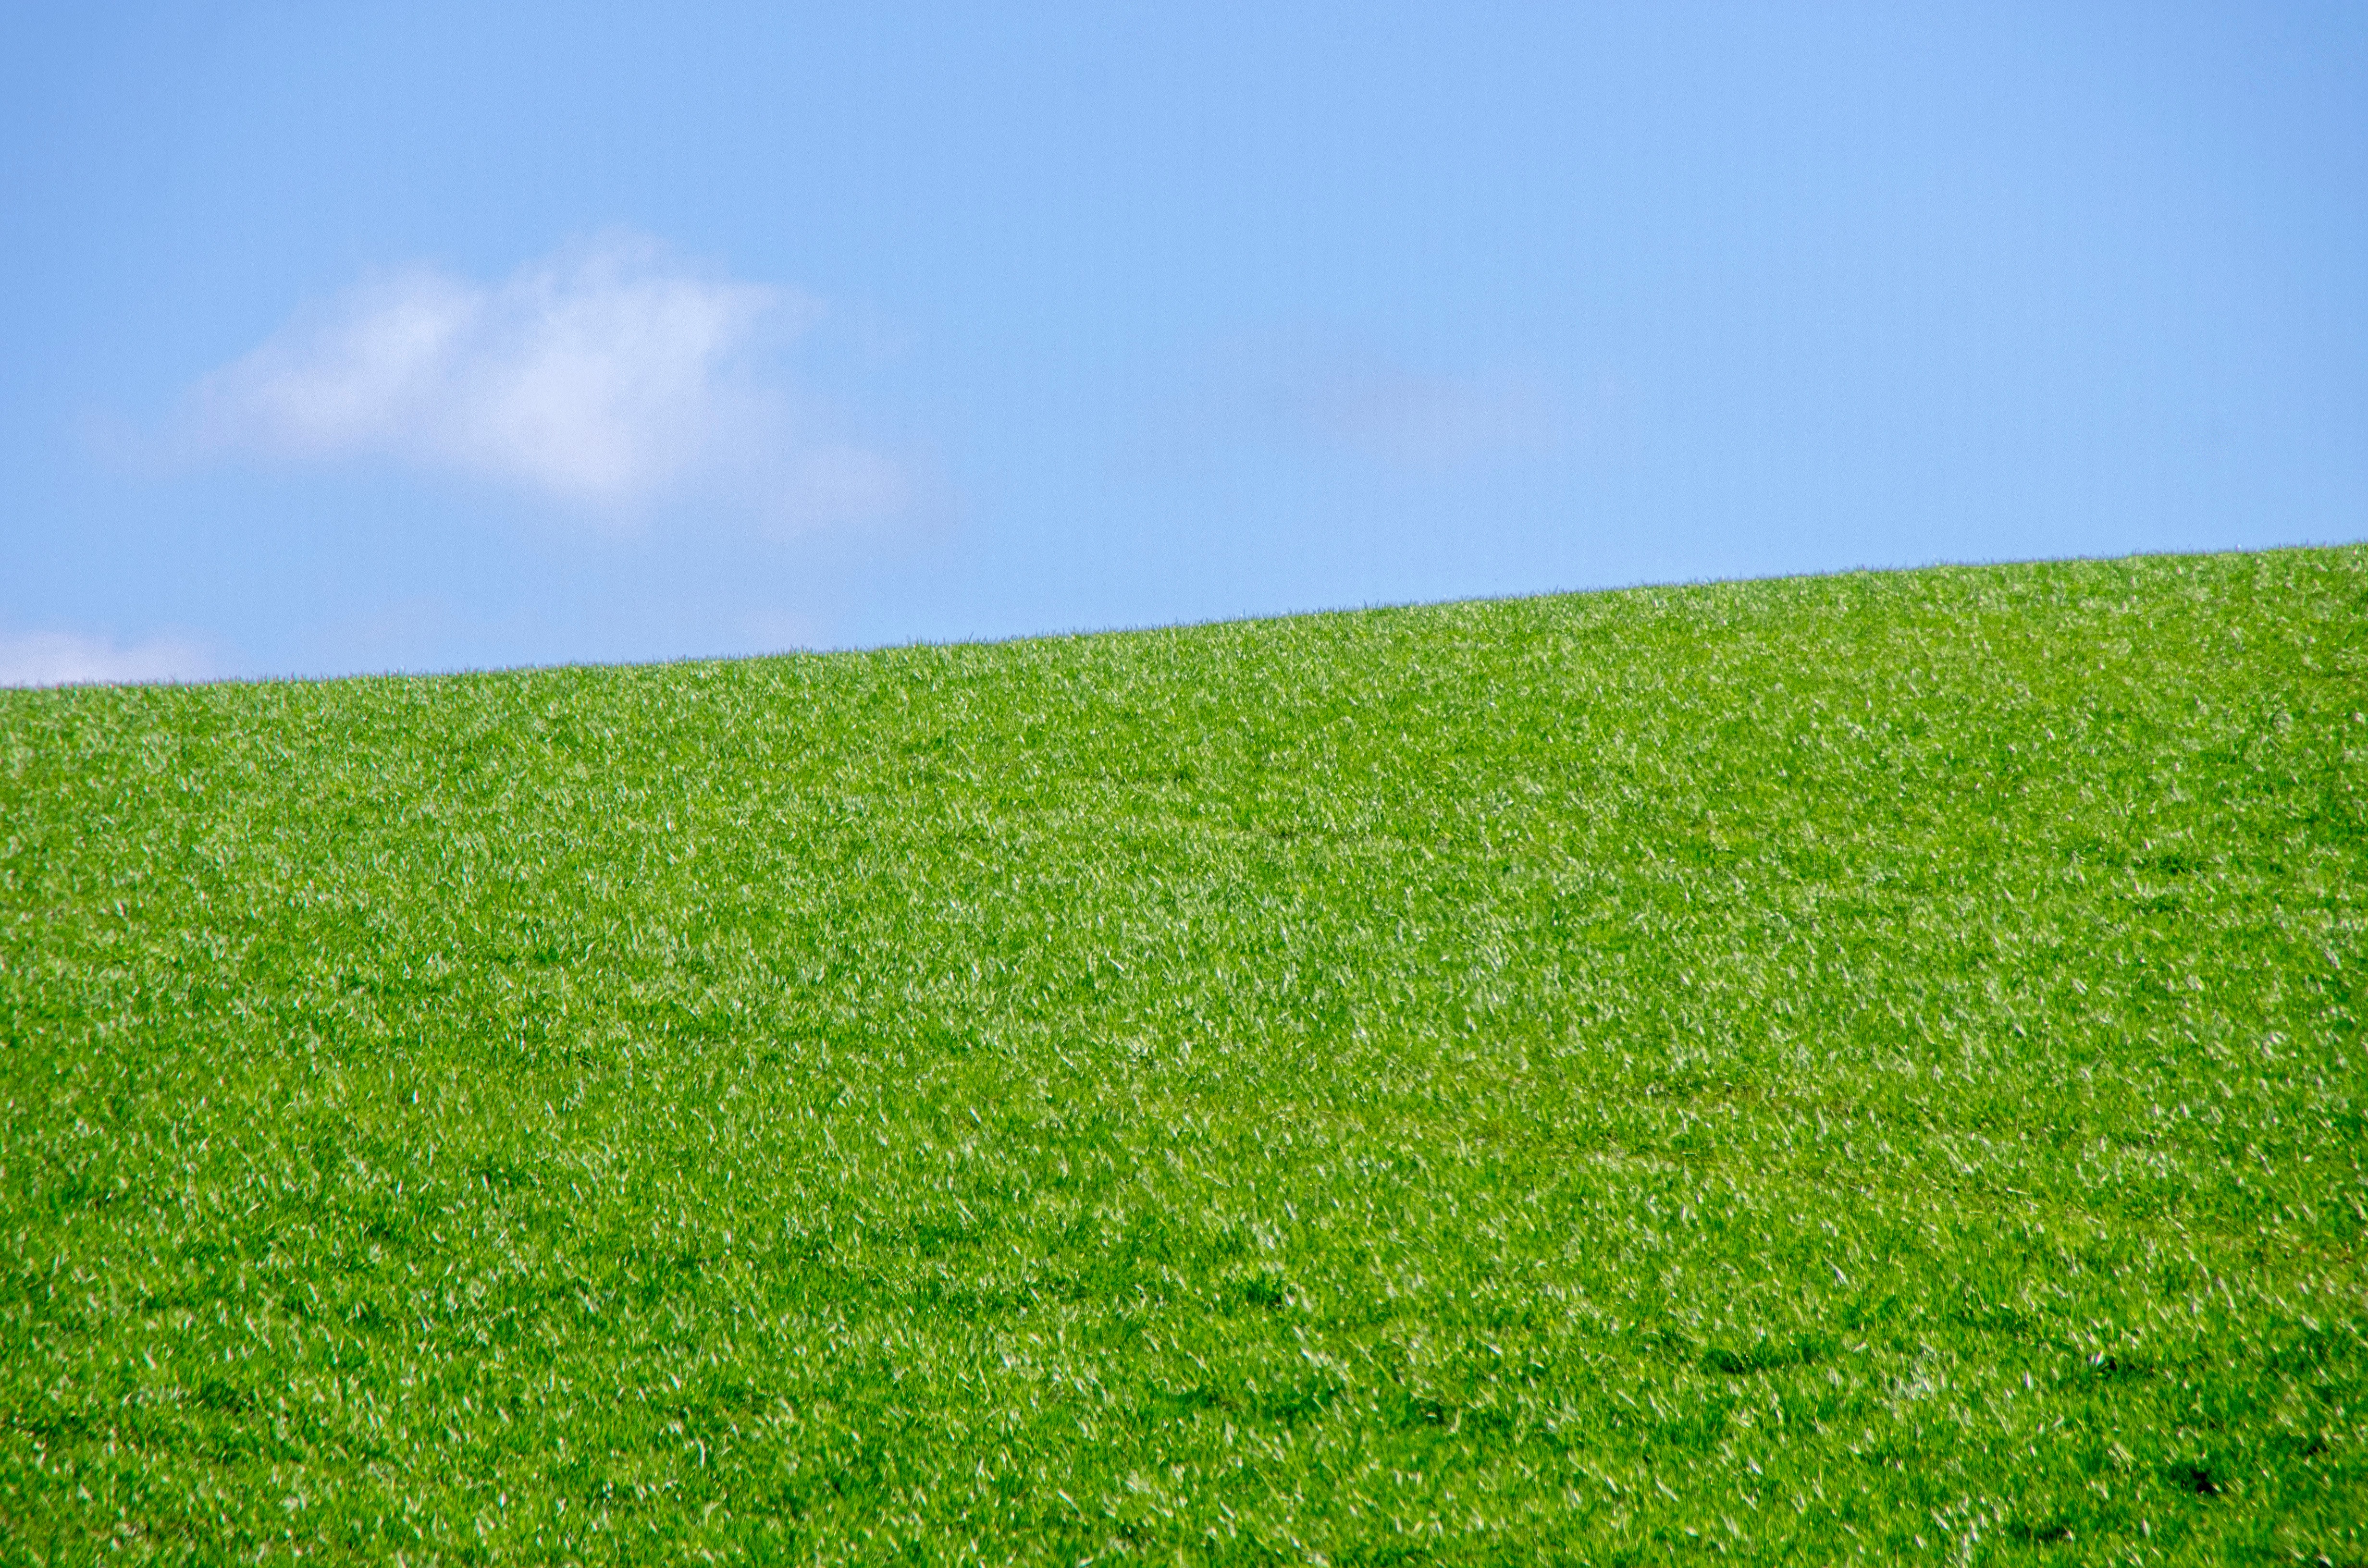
[67, 658]
[608, 378]
[1346, 397]
[1410, 419]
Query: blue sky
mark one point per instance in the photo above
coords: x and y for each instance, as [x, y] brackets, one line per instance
[366, 337]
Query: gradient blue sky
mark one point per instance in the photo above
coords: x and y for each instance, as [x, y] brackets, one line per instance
[363, 337]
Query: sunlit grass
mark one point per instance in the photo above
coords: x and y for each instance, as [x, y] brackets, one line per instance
[1850, 1068]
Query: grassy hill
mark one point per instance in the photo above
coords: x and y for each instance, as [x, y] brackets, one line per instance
[1847, 1068]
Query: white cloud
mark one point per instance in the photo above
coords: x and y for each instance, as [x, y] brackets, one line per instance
[606, 378]
[65, 658]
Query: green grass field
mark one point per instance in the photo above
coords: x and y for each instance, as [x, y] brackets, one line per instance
[1861, 1068]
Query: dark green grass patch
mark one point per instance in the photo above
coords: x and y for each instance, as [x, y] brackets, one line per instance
[1864, 1068]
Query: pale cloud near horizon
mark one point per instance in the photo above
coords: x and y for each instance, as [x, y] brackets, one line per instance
[68, 658]
[608, 378]
[1314, 392]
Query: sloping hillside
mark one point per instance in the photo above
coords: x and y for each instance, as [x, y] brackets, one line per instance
[1846, 1068]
